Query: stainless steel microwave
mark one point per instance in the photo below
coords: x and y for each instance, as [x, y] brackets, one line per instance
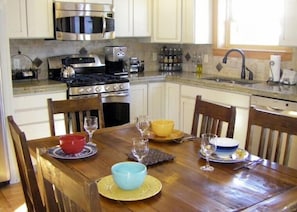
[83, 21]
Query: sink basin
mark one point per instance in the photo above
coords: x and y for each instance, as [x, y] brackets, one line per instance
[231, 80]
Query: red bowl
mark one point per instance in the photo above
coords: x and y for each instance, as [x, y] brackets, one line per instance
[72, 144]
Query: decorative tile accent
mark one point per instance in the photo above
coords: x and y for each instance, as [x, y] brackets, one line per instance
[188, 56]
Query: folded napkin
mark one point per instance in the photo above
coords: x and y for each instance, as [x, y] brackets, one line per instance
[154, 156]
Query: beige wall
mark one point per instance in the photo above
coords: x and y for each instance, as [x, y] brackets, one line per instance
[143, 50]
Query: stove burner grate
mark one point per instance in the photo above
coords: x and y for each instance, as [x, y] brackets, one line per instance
[94, 79]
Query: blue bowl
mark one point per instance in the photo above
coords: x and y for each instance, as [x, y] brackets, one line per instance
[129, 175]
[226, 147]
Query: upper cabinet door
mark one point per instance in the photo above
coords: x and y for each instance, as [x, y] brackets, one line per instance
[30, 18]
[40, 18]
[88, 1]
[142, 18]
[197, 21]
[167, 16]
[132, 18]
[17, 22]
[123, 15]
[288, 35]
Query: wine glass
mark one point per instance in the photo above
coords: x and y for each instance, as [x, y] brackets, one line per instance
[208, 146]
[140, 148]
[142, 124]
[90, 125]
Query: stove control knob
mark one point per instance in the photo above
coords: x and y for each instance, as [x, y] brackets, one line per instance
[89, 90]
[98, 89]
[116, 87]
[121, 86]
[81, 91]
[107, 88]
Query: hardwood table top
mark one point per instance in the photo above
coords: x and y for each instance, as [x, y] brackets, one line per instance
[266, 187]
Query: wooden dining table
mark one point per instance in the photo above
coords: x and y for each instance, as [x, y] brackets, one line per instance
[264, 187]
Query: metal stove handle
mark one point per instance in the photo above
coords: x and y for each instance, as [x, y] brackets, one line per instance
[114, 94]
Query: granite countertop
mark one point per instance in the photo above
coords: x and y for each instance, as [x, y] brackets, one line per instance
[273, 90]
[37, 86]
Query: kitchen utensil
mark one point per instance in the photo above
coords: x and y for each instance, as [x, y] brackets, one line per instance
[140, 148]
[68, 71]
[129, 175]
[208, 147]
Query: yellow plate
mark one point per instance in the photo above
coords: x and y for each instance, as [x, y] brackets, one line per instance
[176, 134]
[107, 188]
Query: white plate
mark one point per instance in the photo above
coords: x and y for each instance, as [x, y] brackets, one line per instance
[88, 151]
[239, 156]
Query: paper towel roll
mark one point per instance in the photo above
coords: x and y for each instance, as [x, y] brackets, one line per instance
[275, 66]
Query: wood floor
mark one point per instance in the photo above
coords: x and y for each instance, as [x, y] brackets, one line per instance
[12, 198]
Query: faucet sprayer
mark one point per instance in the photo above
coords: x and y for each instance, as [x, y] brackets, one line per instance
[242, 76]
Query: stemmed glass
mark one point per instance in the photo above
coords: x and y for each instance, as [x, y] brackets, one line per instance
[142, 124]
[90, 125]
[208, 146]
[140, 148]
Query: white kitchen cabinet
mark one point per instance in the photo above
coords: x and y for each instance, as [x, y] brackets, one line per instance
[240, 101]
[138, 105]
[167, 21]
[182, 21]
[288, 35]
[172, 103]
[156, 100]
[132, 18]
[31, 114]
[89, 1]
[197, 21]
[30, 18]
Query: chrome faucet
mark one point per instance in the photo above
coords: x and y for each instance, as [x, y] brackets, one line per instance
[242, 76]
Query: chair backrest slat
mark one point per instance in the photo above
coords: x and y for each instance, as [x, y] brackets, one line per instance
[214, 116]
[74, 111]
[271, 135]
[66, 189]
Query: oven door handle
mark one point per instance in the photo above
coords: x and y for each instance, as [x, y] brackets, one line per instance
[106, 95]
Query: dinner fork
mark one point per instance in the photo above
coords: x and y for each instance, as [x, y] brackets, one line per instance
[249, 165]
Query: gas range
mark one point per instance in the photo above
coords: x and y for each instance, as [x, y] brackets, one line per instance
[89, 77]
[97, 84]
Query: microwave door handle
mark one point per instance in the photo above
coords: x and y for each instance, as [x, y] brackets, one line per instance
[104, 26]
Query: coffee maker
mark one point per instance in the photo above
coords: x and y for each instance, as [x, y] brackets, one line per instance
[115, 60]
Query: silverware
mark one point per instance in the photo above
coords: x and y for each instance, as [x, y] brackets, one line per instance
[186, 138]
[249, 165]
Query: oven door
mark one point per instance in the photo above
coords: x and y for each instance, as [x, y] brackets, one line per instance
[116, 107]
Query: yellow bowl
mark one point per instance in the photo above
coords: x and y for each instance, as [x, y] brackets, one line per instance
[162, 128]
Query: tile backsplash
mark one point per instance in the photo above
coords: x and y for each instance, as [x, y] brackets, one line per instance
[143, 50]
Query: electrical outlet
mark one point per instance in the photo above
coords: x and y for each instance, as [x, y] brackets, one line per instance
[16, 63]
[205, 58]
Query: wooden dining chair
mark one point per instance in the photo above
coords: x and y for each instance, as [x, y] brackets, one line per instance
[27, 174]
[66, 189]
[213, 118]
[271, 135]
[74, 111]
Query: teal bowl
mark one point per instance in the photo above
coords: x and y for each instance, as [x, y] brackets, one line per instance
[129, 175]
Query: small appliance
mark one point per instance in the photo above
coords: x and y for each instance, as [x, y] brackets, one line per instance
[115, 60]
[289, 77]
[83, 21]
[134, 65]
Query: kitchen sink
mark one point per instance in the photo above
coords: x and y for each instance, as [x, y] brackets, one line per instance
[231, 80]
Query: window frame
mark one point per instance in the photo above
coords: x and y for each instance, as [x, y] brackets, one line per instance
[221, 44]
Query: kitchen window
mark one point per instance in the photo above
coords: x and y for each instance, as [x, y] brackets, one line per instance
[252, 25]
